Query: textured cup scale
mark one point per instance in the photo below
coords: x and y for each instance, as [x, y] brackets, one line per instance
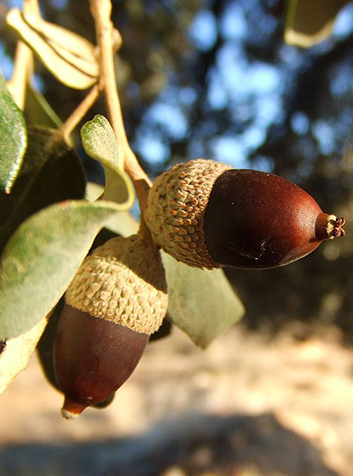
[122, 281]
[176, 207]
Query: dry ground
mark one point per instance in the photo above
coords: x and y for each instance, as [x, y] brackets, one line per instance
[244, 407]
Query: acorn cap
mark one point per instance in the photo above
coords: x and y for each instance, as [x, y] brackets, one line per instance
[122, 281]
[176, 207]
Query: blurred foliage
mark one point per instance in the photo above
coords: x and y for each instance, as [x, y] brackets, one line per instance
[214, 78]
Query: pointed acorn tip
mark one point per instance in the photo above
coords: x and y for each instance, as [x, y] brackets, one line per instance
[338, 229]
[71, 410]
[329, 227]
[335, 226]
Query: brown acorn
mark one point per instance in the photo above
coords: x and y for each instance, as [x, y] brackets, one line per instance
[115, 302]
[207, 215]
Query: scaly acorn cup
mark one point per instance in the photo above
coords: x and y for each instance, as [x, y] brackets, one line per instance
[117, 299]
[207, 215]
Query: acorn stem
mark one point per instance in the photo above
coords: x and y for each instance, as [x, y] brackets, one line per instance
[66, 129]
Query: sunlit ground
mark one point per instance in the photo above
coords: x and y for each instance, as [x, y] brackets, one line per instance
[244, 407]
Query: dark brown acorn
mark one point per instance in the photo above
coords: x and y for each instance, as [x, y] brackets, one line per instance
[115, 302]
[94, 357]
[208, 215]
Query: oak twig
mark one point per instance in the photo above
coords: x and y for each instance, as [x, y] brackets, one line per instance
[101, 12]
[78, 114]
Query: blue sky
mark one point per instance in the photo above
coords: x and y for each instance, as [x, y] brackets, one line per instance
[252, 89]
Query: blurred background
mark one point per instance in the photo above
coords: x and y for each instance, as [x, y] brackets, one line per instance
[215, 79]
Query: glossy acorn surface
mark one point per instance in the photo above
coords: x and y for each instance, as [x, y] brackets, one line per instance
[258, 220]
[93, 357]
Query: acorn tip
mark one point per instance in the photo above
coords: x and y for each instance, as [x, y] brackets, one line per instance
[329, 227]
[335, 227]
[71, 410]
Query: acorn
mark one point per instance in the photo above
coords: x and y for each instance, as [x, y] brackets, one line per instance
[208, 215]
[117, 299]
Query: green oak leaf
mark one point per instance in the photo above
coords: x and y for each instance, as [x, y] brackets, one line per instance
[100, 144]
[68, 56]
[41, 258]
[17, 353]
[309, 22]
[201, 302]
[13, 138]
[51, 172]
[37, 110]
